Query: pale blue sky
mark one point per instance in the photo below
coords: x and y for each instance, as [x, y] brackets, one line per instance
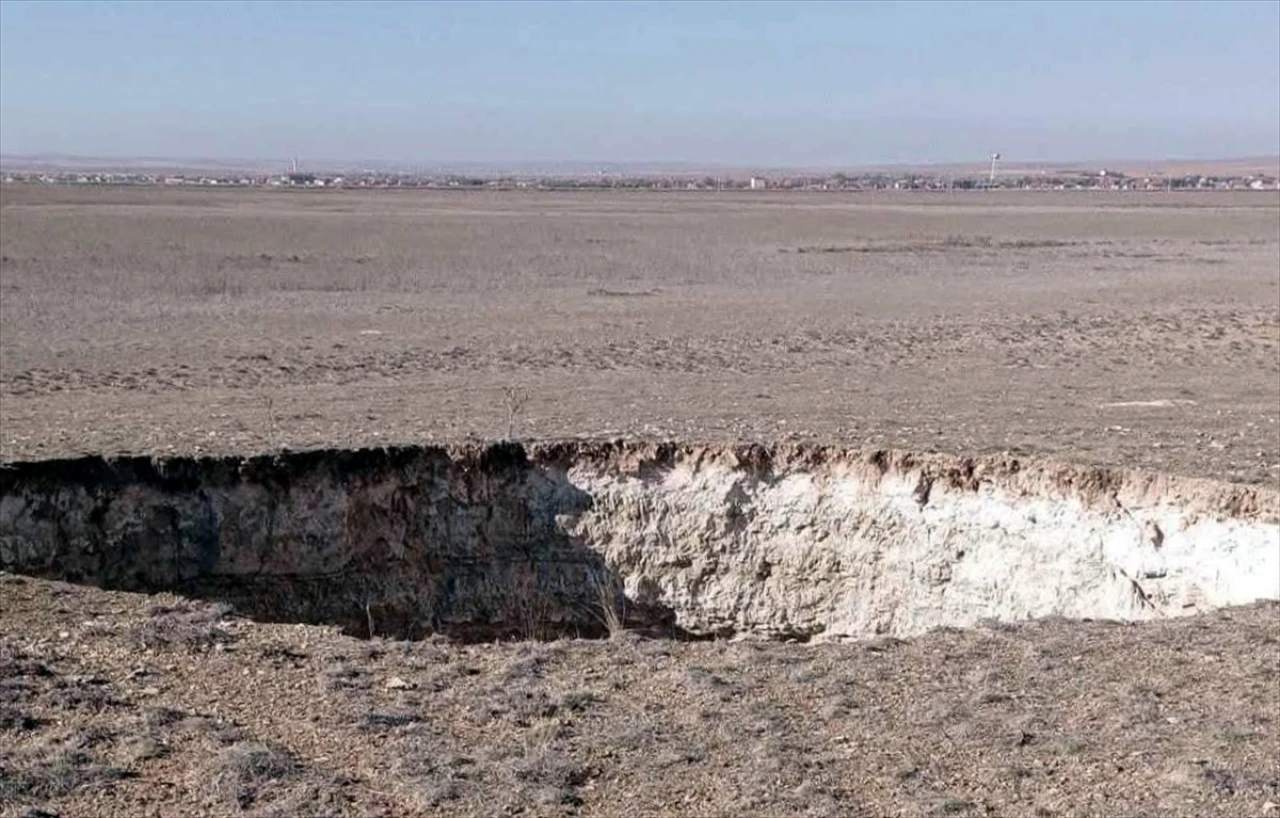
[733, 83]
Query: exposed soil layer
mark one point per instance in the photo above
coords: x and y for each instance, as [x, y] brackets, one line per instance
[793, 541]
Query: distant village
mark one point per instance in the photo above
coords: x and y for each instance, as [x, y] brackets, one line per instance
[1101, 179]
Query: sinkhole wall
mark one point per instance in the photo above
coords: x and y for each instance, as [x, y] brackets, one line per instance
[788, 541]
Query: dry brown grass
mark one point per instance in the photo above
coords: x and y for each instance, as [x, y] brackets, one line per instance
[1052, 718]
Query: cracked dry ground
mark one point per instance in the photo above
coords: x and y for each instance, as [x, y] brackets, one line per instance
[121, 704]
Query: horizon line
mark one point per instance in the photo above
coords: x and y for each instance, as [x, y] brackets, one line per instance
[601, 166]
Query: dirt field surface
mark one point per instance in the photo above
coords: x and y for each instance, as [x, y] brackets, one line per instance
[1122, 329]
[127, 705]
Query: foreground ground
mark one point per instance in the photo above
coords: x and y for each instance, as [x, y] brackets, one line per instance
[1121, 329]
[121, 704]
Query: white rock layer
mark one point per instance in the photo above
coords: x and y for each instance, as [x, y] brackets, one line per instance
[847, 552]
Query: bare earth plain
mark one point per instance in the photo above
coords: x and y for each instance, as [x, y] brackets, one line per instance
[1138, 330]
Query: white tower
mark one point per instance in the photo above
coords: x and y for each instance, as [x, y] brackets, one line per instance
[995, 157]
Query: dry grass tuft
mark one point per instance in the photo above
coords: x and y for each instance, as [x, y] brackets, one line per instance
[244, 774]
[194, 627]
[51, 769]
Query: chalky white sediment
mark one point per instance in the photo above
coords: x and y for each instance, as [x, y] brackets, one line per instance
[840, 552]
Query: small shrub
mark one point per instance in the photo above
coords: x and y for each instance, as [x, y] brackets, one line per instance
[679, 756]
[99, 628]
[144, 748]
[955, 806]
[182, 625]
[726, 688]
[579, 700]
[50, 772]
[342, 676]
[13, 718]
[239, 774]
[385, 722]
[551, 768]
[156, 717]
[527, 704]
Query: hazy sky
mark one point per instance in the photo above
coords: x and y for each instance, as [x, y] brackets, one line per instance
[742, 84]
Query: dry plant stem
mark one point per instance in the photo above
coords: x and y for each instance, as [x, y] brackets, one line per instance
[271, 424]
[612, 610]
[514, 400]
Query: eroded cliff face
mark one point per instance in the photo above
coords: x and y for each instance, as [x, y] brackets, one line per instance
[785, 542]
[833, 545]
[403, 541]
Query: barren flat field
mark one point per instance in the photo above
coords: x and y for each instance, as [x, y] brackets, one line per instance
[1138, 330]
[805, 352]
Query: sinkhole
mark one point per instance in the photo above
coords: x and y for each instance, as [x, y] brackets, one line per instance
[788, 541]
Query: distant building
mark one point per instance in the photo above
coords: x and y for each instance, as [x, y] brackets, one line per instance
[758, 184]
